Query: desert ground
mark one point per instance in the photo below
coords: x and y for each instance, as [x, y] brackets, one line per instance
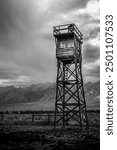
[37, 132]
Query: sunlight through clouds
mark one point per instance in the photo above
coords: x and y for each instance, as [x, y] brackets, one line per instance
[27, 46]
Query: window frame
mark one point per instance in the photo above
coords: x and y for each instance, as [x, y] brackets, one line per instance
[65, 43]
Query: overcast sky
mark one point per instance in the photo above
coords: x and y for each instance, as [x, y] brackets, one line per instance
[27, 46]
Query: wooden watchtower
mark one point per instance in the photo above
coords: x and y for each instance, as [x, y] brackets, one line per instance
[70, 105]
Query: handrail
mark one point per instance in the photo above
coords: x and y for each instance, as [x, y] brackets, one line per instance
[67, 28]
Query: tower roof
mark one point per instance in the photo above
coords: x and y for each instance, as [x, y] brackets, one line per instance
[67, 31]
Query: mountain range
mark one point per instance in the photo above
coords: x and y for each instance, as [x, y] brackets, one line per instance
[42, 97]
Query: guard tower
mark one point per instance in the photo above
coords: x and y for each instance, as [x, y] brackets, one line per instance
[70, 105]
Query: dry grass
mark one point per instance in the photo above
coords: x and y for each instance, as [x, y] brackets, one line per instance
[19, 132]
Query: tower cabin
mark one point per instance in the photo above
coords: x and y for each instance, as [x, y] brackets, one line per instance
[68, 39]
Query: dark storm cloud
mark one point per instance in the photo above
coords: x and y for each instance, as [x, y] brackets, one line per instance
[12, 12]
[86, 19]
[6, 21]
[89, 26]
[92, 34]
[8, 73]
[16, 23]
[91, 53]
[68, 5]
[93, 71]
[6, 16]
[26, 40]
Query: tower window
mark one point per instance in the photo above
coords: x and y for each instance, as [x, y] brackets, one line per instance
[62, 44]
[68, 43]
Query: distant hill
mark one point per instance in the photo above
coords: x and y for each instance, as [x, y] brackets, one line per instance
[42, 96]
[92, 95]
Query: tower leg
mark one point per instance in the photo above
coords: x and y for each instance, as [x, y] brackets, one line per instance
[70, 105]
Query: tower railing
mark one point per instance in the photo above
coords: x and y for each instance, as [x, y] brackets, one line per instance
[68, 29]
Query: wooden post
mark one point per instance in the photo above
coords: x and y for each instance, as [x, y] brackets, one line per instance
[2, 116]
[33, 115]
[66, 120]
[48, 118]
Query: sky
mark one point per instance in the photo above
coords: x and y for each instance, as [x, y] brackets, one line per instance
[27, 45]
